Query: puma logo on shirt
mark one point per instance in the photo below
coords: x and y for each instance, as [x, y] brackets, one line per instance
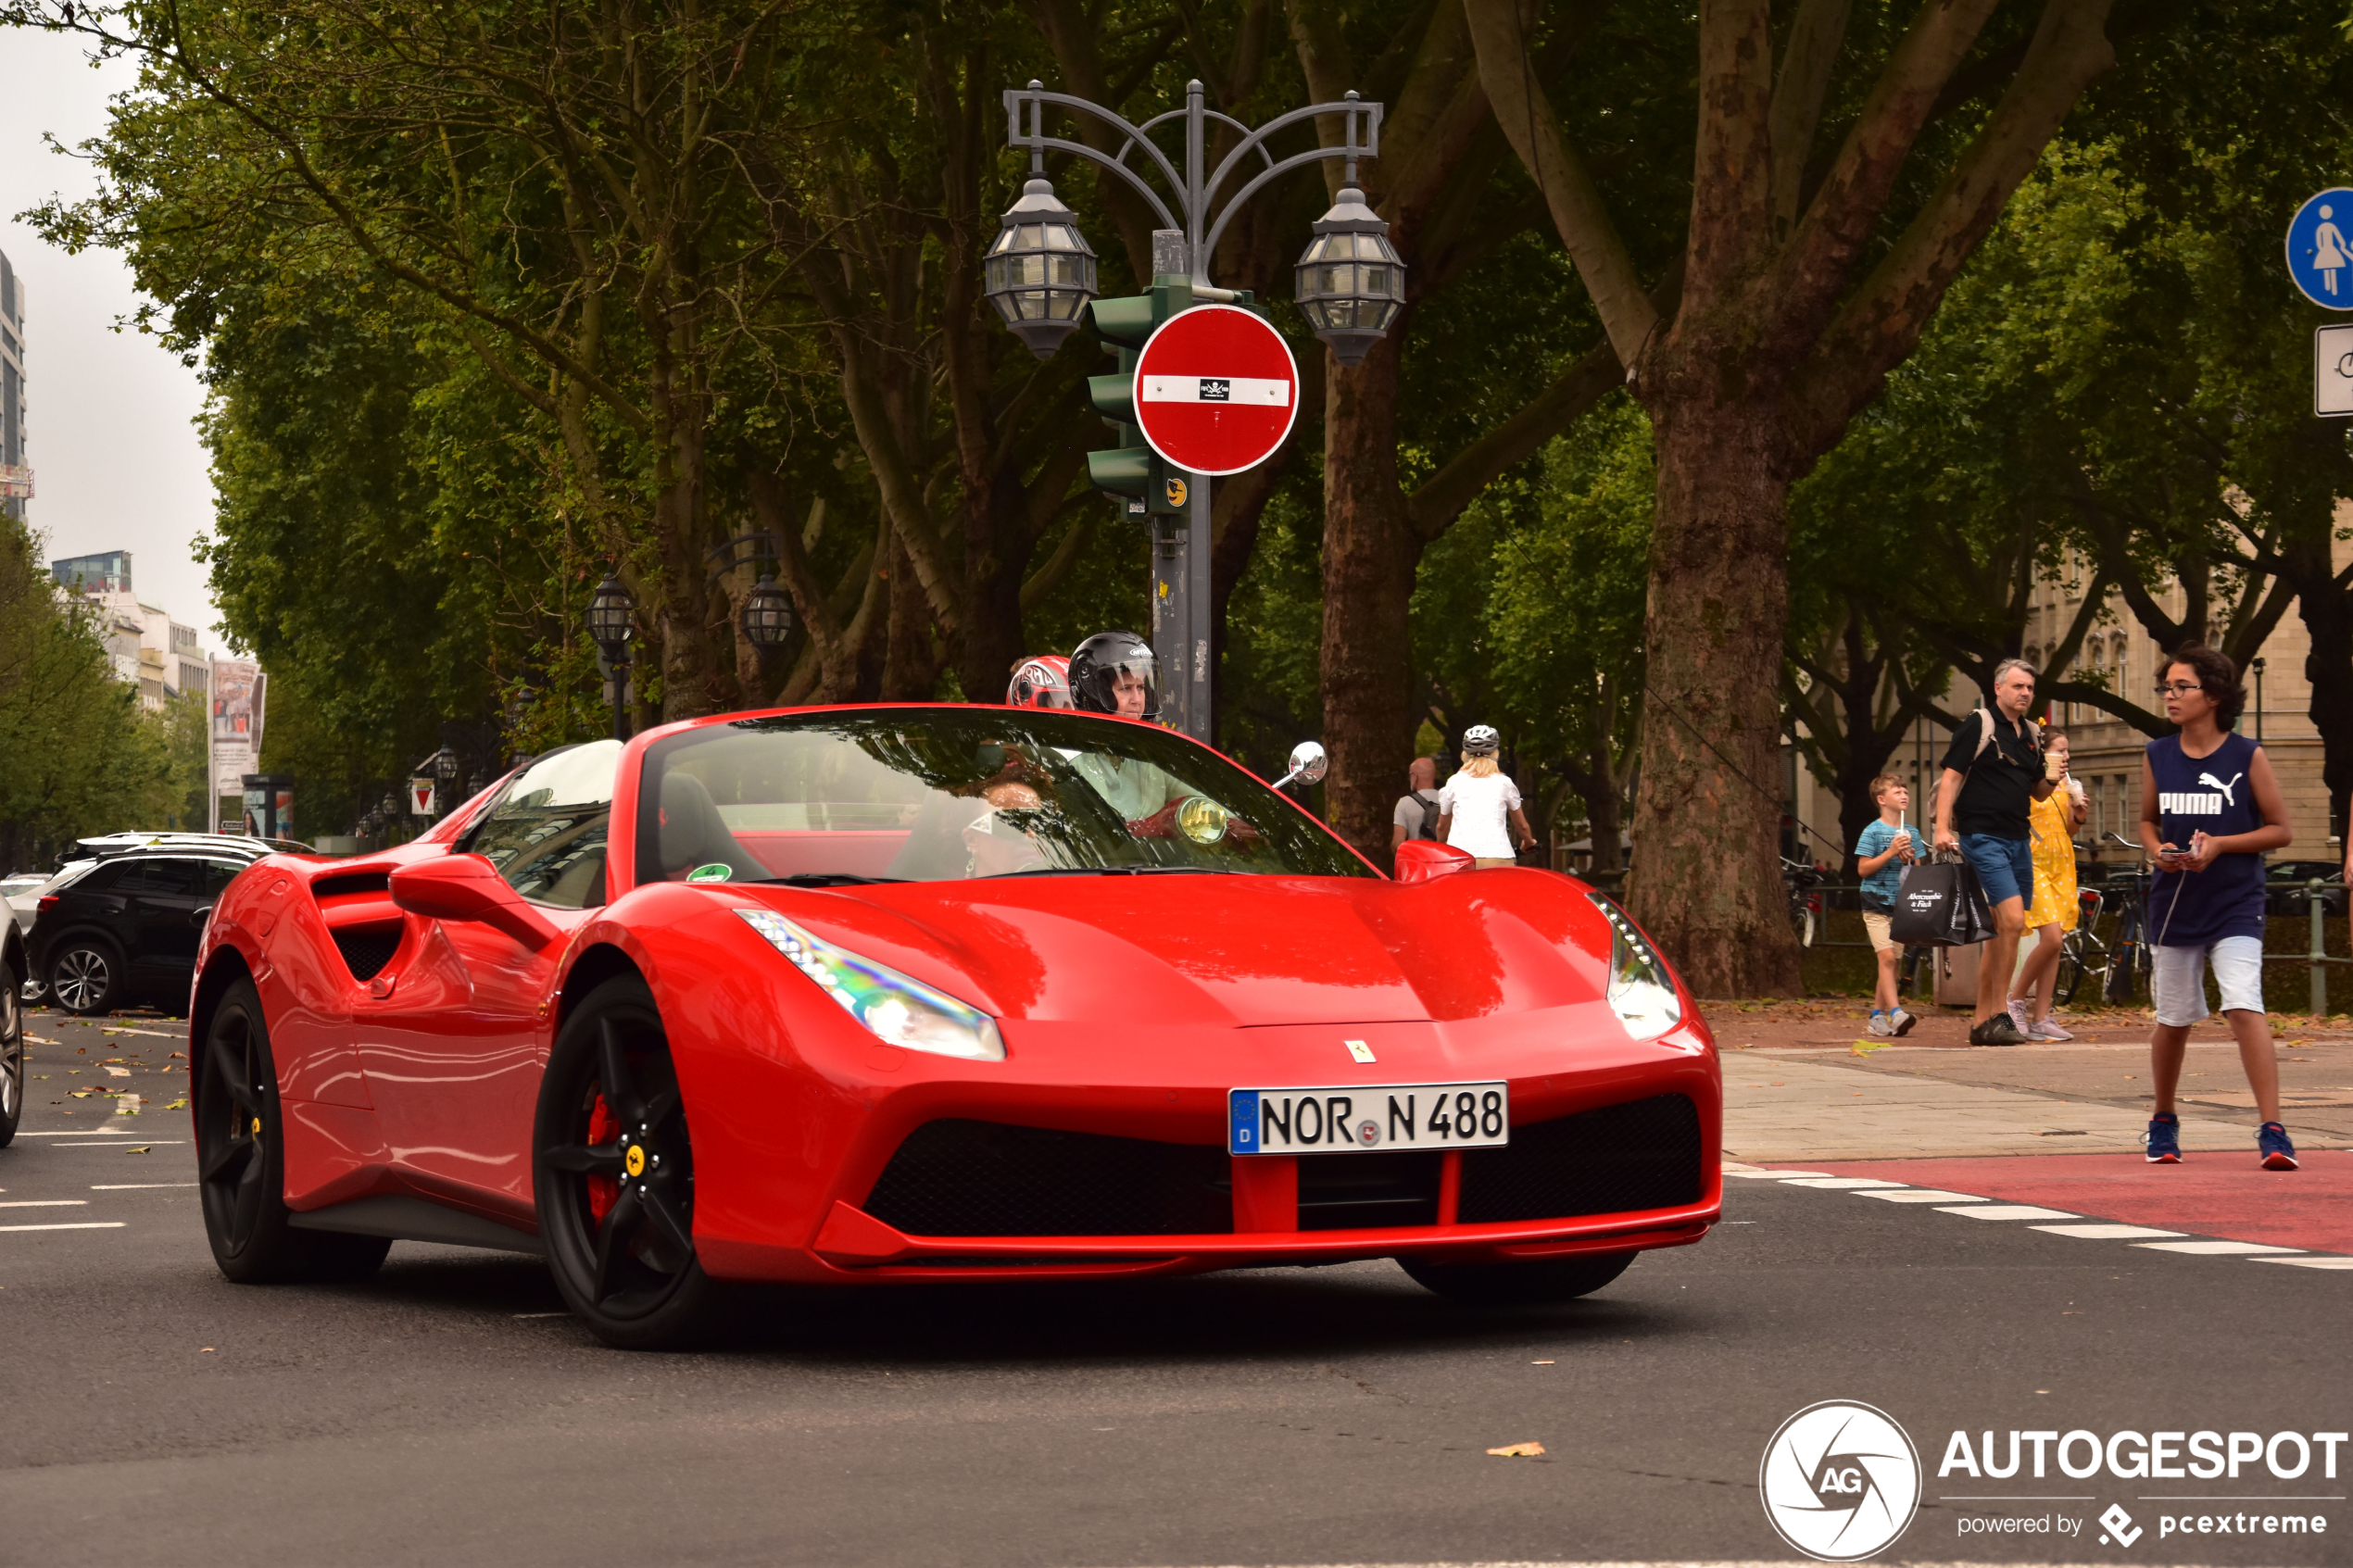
[2198, 803]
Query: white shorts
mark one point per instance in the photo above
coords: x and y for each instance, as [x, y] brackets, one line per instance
[2177, 978]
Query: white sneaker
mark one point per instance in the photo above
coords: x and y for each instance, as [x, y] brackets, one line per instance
[1899, 1022]
[2048, 1029]
[2022, 1014]
[1879, 1026]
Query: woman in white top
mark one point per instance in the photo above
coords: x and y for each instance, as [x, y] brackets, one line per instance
[1477, 804]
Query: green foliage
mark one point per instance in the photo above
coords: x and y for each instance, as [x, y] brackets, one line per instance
[77, 756]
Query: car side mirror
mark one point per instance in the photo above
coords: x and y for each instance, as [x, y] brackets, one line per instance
[1308, 764]
[199, 916]
[467, 887]
[1423, 859]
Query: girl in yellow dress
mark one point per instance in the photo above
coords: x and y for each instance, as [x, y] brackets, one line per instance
[2054, 822]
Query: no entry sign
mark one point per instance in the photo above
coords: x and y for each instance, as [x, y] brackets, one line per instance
[1216, 390]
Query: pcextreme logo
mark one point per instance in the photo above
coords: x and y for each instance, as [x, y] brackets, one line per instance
[1841, 1481]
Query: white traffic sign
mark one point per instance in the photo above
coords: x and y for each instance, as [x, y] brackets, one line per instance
[2320, 248]
[1216, 390]
[421, 798]
[2333, 373]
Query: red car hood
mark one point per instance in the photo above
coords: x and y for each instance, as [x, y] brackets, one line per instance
[1228, 950]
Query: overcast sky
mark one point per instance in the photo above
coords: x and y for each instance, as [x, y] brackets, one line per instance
[116, 461]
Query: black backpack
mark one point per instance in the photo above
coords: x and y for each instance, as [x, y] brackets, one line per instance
[1429, 815]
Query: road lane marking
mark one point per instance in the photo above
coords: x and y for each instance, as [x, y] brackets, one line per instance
[84, 1225]
[2107, 1232]
[2214, 1248]
[127, 1141]
[135, 1187]
[2307, 1263]
[1922, 1195]
[2008, 1211]
[46, 1203]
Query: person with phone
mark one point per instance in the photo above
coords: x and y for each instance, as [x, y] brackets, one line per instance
[2053, 912]
[2210, 807]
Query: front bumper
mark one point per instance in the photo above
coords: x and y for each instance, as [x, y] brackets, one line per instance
[795, 1197]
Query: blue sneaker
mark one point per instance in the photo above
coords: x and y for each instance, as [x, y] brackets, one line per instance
[2164, 1139]
[2271, 1140]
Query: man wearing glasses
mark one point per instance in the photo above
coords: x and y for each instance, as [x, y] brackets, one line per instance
[1992, 774]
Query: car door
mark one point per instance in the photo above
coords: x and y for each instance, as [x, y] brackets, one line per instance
[160, 896]
[451, 1054]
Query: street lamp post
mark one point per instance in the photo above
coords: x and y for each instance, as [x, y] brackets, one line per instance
[612, 622]
[2257, 665]
[1040, 275]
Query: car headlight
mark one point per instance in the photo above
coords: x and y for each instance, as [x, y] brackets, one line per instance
[898, 1008]
[1641, 991]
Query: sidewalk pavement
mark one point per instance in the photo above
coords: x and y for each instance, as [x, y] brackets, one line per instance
[1795, 1088]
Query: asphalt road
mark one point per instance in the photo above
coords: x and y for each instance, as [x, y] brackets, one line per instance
[448, 1413]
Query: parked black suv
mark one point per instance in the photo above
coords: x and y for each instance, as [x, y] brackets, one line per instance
[125, 930]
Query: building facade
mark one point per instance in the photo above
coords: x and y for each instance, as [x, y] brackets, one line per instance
[16, 474]
[2105, 751]
[145, 646]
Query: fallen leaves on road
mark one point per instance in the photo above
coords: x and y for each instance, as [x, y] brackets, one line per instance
[143, 1148]
[1517, 1450]
[177, 1105]
[1865, 1048]
[117, 1072]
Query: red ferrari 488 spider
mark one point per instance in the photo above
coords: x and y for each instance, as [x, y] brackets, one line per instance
[872, 994]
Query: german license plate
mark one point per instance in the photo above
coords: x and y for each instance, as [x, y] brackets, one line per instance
[1355, 1119]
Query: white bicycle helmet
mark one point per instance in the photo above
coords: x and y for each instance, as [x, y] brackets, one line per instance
[1481, 740]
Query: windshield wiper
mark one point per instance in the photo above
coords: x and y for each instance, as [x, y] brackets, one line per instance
[825, 879]
[1113, 870]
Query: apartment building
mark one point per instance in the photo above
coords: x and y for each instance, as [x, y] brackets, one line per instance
[145, 646]
[16, 474]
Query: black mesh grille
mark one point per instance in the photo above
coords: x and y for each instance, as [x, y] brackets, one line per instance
[350, 882]
[1644, 1154]
[367, 949]
[986, 1178]
[1338, 1192]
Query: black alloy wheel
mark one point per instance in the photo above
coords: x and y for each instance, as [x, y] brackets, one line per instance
[615, 1175]
[241, 1161]
[1535, 1283]
[86, 972]
[11, 1055]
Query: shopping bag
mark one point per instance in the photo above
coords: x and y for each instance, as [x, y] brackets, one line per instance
[1941, 905]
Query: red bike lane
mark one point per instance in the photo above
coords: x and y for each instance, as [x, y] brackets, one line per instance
[2227, 1197]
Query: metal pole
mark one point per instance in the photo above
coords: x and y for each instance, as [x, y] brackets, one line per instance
[2319, 950]
[1170, 621]
[620, 700]
[1194, 125]
[1198, 605]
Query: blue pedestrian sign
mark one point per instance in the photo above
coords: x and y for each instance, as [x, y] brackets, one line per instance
[2320, 249]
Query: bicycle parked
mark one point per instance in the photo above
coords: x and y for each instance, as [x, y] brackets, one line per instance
[2121, 963]
[1802, 883]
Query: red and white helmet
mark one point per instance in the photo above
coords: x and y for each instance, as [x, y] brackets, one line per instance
[1042, 681]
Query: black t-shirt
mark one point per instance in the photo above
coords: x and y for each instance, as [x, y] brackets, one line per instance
[1997, 789]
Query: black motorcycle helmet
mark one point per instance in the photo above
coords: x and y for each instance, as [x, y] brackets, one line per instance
[1099, 662]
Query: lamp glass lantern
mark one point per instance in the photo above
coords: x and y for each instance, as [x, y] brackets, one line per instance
[1350, 281]
[767, 616]
[1041, 273]
[613, 618]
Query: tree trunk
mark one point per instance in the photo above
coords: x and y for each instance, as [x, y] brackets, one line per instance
[2328, 619]
[1370, 551]
[1705, 881]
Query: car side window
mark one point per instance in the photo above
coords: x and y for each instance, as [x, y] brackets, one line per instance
[547, 833]
[160, 877]
[217, 874]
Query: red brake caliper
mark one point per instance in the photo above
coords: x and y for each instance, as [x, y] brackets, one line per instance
[603, 1191]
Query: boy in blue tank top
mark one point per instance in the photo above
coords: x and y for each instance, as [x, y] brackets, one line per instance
[2209, 809]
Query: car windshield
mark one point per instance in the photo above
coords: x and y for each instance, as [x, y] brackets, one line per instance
[943, 794]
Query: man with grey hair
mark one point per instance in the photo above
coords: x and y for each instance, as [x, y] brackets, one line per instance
[1994, 771]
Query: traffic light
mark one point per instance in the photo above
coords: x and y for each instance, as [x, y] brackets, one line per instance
[1131, 468]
